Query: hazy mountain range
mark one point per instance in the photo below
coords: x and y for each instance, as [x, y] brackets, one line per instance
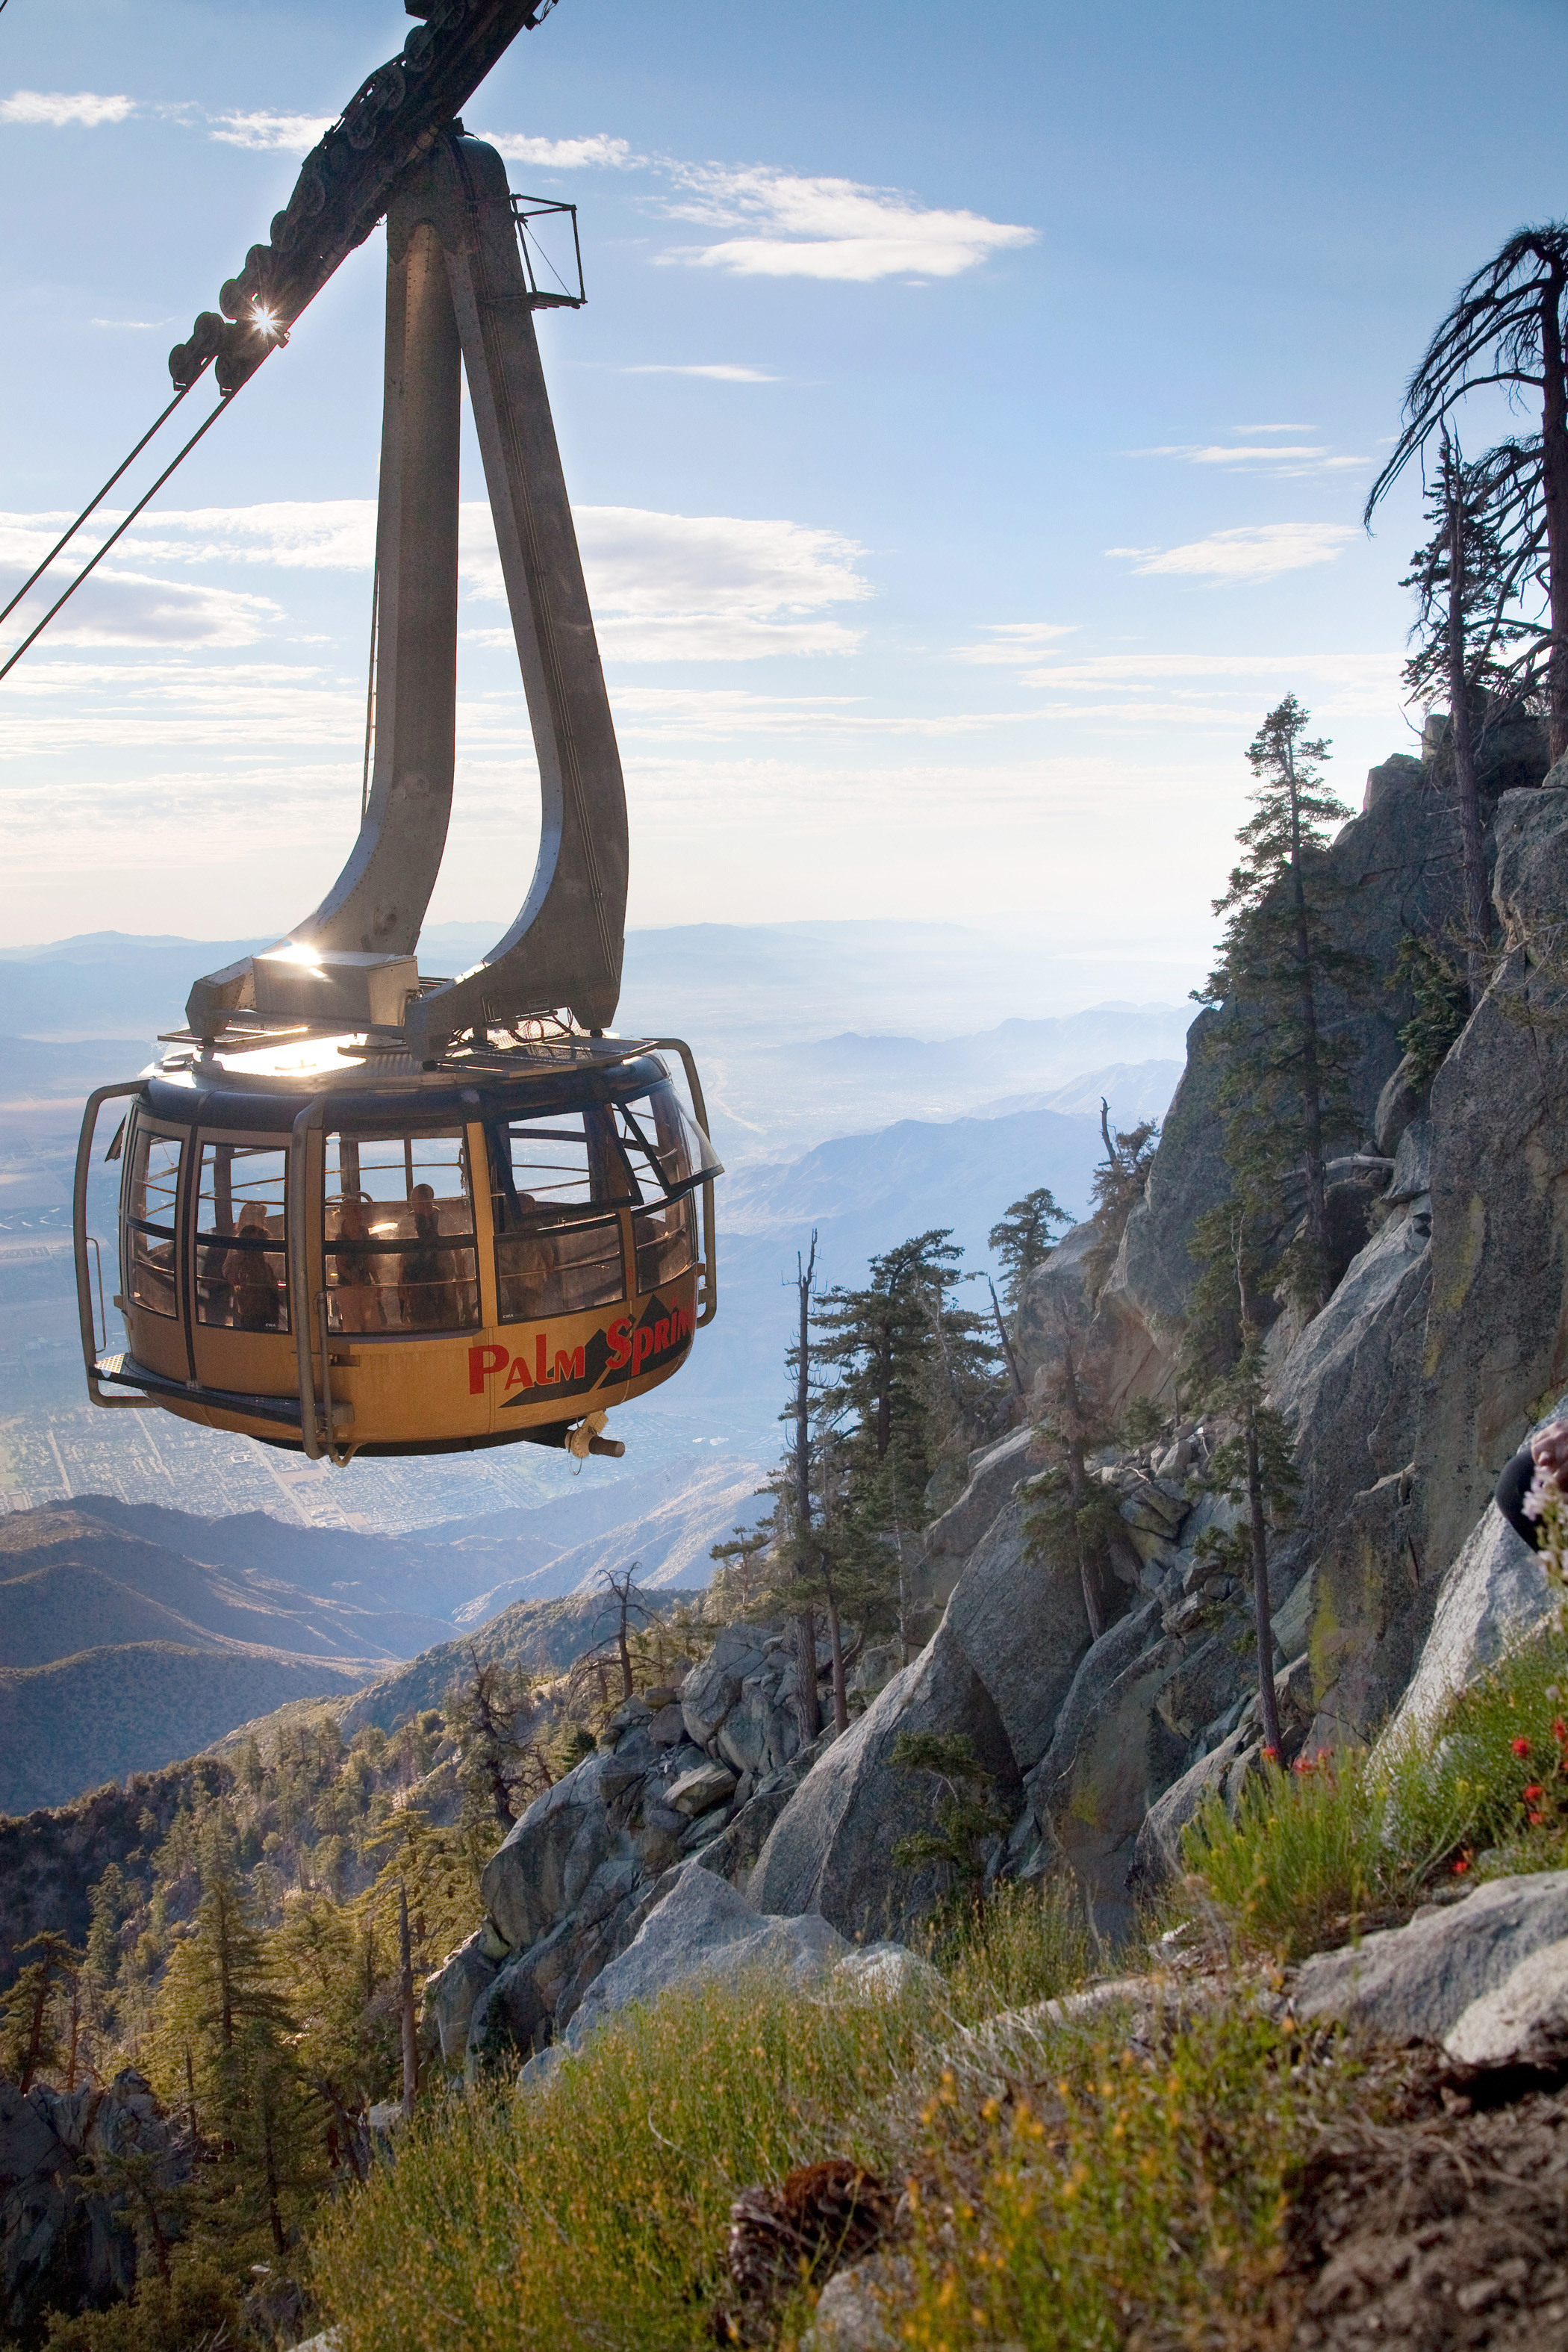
[867, 1081]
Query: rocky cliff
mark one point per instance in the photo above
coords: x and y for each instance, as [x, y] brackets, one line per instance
[1443, 1341]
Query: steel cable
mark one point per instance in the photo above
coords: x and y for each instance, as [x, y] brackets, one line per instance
[7, 610]
[11, 659]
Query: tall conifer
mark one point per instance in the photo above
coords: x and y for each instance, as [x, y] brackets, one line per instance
[1284, 1093]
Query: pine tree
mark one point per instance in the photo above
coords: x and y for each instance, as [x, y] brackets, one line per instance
[35, 2035]
[911, 1372]
[223, 2047]
[1463, 628]
[1284, 1094]
[483, 1711]
[1023, 1239]
[1072, 1514]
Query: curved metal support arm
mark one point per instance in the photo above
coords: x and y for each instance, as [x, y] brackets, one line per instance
[457, 297]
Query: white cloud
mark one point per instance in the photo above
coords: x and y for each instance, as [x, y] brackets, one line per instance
[1274, 429]
[643, 562]
[799, 227]
[148, 325]
[722, 372]
[1284, 458]
[302, 534]
[55, 705]
[599, 152]
[290, 134]
[1217, 690]
[1257, 553]
[695, 712]
[57, 106]
[710, 636]
[671, 587]
[664, 587]
[1012, 642]
[126, 608]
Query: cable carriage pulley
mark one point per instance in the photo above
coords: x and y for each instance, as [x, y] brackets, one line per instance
[363, 1210]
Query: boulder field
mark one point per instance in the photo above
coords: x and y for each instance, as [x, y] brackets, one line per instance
[1444, 1342]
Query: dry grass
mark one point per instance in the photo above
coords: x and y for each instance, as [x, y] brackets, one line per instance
[1058, 2185]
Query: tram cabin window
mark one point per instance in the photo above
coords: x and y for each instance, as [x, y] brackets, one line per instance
[150, 1227]
[556, 1185]
[242, 1267]
[663, 1151]
[666, 1240]
[400, 1249]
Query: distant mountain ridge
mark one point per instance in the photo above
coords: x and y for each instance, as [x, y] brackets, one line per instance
[132, 1635]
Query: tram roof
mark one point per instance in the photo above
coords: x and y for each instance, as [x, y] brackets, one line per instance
[378, 1091]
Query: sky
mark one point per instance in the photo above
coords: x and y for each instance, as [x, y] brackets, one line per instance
[968, 429]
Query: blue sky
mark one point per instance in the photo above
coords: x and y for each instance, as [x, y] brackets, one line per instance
[968, 426]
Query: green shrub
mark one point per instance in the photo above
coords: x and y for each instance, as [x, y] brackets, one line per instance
[1303, 1859]
[1128, 2197]
[1023, 1944]
[195, 2309]
[1318, 1854]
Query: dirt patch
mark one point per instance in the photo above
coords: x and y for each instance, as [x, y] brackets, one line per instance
[1442, 2224]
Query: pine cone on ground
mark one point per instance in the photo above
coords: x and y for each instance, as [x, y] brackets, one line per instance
[821, 2215]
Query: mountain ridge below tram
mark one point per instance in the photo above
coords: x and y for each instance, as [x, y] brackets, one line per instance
[152, 1633]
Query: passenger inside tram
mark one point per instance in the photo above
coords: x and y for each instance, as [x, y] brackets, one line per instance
[254, 1290]
[358, 1286]
[427, 1297]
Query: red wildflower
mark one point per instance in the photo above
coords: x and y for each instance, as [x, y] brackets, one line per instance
[1302, 1766]
[1463, 1863]
[1520, 1747]
[1560, 1731]
[1536, 1820]
[1532, 1794]
[1271, 1756]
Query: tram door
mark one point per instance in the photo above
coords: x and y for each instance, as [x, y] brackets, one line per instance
[153, 1304]
[237, 1267]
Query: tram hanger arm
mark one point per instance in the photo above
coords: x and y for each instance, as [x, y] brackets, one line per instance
[347, 181]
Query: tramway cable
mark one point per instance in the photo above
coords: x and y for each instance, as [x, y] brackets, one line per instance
[9, 663]
[94, 503]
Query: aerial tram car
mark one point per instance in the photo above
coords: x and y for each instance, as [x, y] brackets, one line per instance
[364, 1210]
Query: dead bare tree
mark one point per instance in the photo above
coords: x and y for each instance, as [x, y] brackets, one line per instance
[624, 1590]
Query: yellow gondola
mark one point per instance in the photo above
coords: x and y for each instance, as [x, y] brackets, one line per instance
[367, 1211]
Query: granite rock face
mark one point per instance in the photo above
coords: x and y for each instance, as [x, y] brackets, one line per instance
[703, 1927]
[1416, 1983]
[573, 1882]
[995, 1473]
[66, 2240]
[1395, 872]
[1497, 1343]
[831, 1849]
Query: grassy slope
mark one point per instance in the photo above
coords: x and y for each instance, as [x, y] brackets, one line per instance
[1071, 2186]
